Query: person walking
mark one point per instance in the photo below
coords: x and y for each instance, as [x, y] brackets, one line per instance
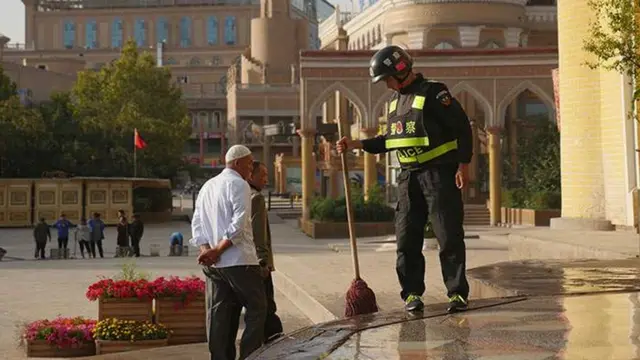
[136, 230]
[221, 228]
[41, 233]
[262, 239]
[97, 235]
[432, 137]
[122, 237]
[63, 226]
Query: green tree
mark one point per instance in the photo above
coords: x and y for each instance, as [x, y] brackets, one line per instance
[539, 158]
[613, 37]
[132, 92]
[21, 129]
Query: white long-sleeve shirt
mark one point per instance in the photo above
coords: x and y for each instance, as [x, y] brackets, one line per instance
[223, 211]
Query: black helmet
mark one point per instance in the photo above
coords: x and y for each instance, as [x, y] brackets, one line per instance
[390, 61]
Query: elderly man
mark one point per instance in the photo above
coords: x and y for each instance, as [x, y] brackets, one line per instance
[221, 228]
[262, 239]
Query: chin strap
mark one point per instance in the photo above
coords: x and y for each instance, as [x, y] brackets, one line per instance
[402, 79]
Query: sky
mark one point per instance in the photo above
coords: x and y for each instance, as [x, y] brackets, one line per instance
[12, 18]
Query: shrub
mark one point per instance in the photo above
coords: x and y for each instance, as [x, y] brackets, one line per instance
[373, 210]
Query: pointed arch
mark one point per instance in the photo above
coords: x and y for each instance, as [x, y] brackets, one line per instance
[477, 96]
[517, 90]
[380, 103]
[322, 97]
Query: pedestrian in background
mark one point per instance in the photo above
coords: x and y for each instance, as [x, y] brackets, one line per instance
[97, 235]
[84, 237]
[41, 233]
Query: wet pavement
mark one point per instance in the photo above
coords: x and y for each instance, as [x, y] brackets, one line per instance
[589, 327]
[557, 277]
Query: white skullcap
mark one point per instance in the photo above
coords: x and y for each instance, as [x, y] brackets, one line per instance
[236, 152]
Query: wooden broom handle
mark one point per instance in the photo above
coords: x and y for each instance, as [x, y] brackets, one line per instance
[350, 219]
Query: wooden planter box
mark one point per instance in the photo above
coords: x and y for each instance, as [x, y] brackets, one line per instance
[125, 309]
[512, 216]
[337, 230]
[40, 348]
[187, 324]
[113, 346]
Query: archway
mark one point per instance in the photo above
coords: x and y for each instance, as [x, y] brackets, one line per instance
[525, 108]
[480, 113]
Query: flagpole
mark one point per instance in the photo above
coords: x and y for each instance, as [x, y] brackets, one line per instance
[135, 157]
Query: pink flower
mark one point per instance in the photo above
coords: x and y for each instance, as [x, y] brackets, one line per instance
[61, 332]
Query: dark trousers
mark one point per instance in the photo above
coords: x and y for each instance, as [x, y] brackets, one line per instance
[63, 242]
[228, 291]
[273, 324]
[135, 243]
[84, 244]
[430, 193]
[40, 246]
[93, 245]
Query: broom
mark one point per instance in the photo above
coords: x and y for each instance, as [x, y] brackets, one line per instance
[360, 299]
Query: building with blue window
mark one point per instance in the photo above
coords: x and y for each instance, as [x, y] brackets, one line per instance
[117, 34]
[230, 31]
[69, 34]
[140, 32]
[185, 31]
[91, 35]
[212, 30]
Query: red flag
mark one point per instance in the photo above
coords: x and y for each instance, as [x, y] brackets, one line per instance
[138, 140]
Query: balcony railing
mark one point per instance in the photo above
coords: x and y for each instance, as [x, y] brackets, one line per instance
[542, 14]
[202, 91]
[17, 47]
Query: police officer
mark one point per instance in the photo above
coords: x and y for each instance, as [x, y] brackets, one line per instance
[432, 137]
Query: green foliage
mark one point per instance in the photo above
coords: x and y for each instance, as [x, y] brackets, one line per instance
[373, 210]
[613, 36]
[89, 131]
[538, 169]
[129, 272]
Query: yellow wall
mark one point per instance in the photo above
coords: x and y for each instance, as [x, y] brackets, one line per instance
[598, 173]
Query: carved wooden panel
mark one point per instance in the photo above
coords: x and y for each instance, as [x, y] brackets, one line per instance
[46, 197]
[70, 197]
[18, 197]
[97, 197]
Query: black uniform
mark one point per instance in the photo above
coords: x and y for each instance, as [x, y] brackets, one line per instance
[432, 136]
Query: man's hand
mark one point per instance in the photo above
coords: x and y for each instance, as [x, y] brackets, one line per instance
[208, 257]
[462, 176]
[345, 144]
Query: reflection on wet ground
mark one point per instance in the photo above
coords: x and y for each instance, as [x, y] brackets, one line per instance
[561, 277]
[594, 327]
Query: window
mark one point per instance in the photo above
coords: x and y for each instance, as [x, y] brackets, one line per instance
[116, 34]
[443, 46]
[194, 61]
[171, 61]
[162, 30]
[69, 34]
[91, 35]
[185, 32]
[212, 30]
[230, 30]
[140, 33]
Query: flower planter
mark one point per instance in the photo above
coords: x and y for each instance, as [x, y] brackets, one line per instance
[40, 348]
[187, 323]
[114, 346]
[335, 230]
[530, 217]
[125, 309]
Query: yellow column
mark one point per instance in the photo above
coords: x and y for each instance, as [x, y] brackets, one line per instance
[370, 168]
[308, 171]
[473, 166]
[580, 140]
[495, 174]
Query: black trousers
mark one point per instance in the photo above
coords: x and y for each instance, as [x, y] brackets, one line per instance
[93, 245]
[135, 243]
[430, 193]
[228, 291]
[40, 246]
[273, 324]
[63, 242]
[84, 244]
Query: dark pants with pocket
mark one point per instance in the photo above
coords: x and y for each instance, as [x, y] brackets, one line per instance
[135, 244]
[40, 247]
[230, 289]
[84, 244]
[93, 245]
[273, 324]
[63, 242]
[430, 193]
